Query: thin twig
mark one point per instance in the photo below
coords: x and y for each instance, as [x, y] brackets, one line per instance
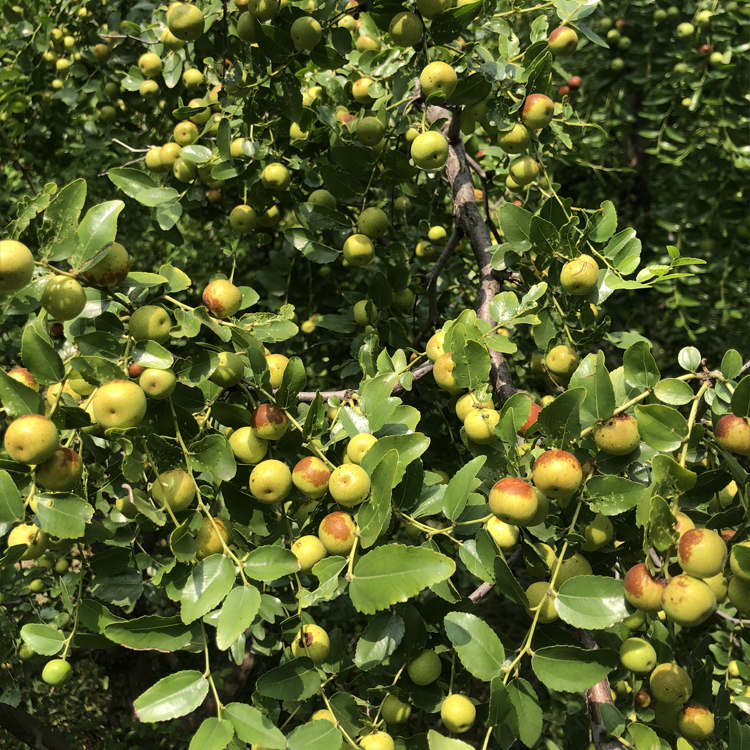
[128, 36]
[130, 148]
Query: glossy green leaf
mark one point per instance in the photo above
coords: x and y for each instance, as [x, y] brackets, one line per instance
[499, 703]
[516, 225]
[409, 447]
[507, 583]
[560, 420]
[268, 563]
[315, 735]
[254, 727]
[572, 669]
[237, 614]
[11, 503]
[150, 632]
[605, 223]
[639, 366]
[295, 680]
[741, 398]
[661, 427]
[644, 737]
[151, 354]
[380, 638]
[525, 720]
[40, 358]
[666, 469]
[63, 515]
[674, 392]
[212, 734]
[176, 695]
[611, 495]
[591, 602]
[731, 364]
[437, 741]
[459, 487]
[689, 358]
[44, 639]
[293, 381]
[61, 221]
[211, 580]
[373, 516]
[477, 645]
[98, 228]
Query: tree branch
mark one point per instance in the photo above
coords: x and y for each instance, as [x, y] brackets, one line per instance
[16, 159]
[470, 221]
[30, 730]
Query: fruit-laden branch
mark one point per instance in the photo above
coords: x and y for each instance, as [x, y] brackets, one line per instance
[416, 374]
[30, 730]
[595, 697]
[471, 223]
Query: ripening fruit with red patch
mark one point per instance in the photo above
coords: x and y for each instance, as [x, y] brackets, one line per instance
[557, 474]
[514, 501]
[702, 553]
[309, 551]
[733, 434]
[269, 422]
[23, 376]
[338, 532]
[618, 436]
[574, 82]
[563, 90]
[695, 722]
[61, 472]
[531, 420]
[688, 601]
[222, 298]
[310, 477]
[683, 523]
[311, 641]
[537, 111]
[642, 590]
[135, 370]
[562, 41]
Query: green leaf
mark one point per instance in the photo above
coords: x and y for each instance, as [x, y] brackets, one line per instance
[571, 668]
[409, 447]
[741, 398]
[237, 614]
[61, 221]
[645, 738]
[561, 420]
[294, 681]
[157, 196]
[254, 727]
[459, 487]
[731, 364]
[499, 703]
[591, 602]
[395, 573]
[18, 399]
[44, 639]
[176, 695]
[130, 181]
[477, 645]
[315, 735]
[40, 357]
[63, 515]
[507, 584]
[293, 381]
[600, 395]
[674, 392]
[153, 355]
[11, 503]
[98, 228]
[211, 580]
[516, 225]
[526, 720]
[611, 495]
[472, 364]
[121, 589]
[689, 358]
[605, 223]
[150, 633]
[666, 469]
[327, 572]
[639, 366]
[213, 454]
[436, 741]
[379, 640]
[451, 23]
[661, 427]
[212, 734]
[268, 563]
[374, 515]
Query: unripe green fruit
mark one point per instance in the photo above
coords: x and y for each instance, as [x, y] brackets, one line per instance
[406, 29]
[119, 403]
[185, 21]
[516, 140]
[174, 488]
[338, 532]
[276, 177]
[685, 30]
[575, 565]
[506, 535]
[45, 563]
[425, 668]
[360, 91]
[149, 90]
[208, 541]
[738, 593]
[688, 601]
[617, 65]
[367, 42]
[432, 8]
[537, 111]
[719, 585]
[523, 170]
[467, 403]
[377, 741]
[64, 298]
[458, 713]
[437, 236]
[313, 642]
[25, 652]
[16, 266]
[126, 507]
[230, 371]
[734, 561]
[222, 298]
[169, 154]
[186, 133]
[271, 481]
[642, 590]
[170, 41]
[322, 198]
[480, 425]
[537, 596]
[670, 684]
[716, 60]
[702, 553]
[36, 586]
[365, 313]
[31, 439]
[443, 373]
[438, 77]
[404, 300]
[434, 347]
[430, 151]
[359, 445]
[151, 323]
[395, 711]
[579, 276]
[638, 656]
[149, 65]
[57, 672]
[32, 537]
[263, 10]
[370, 131]
[306, 32]
[243, 219]
[618, 436]
[158, 384]
[246, 28]
[598, 533]
[562, 362]
[563, 41]
[557, 474]
[247, 447]
[358, 250]
[184, 171]
[349, 485]
[112, 268]
[202, 117]
[309, 550]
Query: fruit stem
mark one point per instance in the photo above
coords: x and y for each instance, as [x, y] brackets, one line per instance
[207, 674]
[69, 639]
[337, 724]
[691, 422]
[375, 721]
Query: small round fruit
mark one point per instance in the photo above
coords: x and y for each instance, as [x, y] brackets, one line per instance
[430, 151]
[311, 641]
[149, 65]
[211, 537]
[738, 593]
[438, 77]
[243, 219]
[734, 560]
[127, 507]
[31, 439]
[670, 684]
[562, 362]
[685, 30]
[516, 140]
[513, 501]
[269, 422]
[458, 713]
[537, 111]
[523, 170]
[638, 656]
[598, 533]
[185, 134]
[185, 21]
[338, 532]
[359, 445]
[575, 565]
[64, 298]
[688, 601]
[563, 41]
[30, 536]
[222, 298]
[157, 384]
[506, 535]
[309, 551]
[277, 364]
[270, 481]
[276, 177]
[111, 269]
[349, 485]
[151, 323]
[539, 596]
[435, 346]
[365, 313]
[376, 741]
[61, 472]
[370, 131]
[322, 198]
[230, 371]
[443, 373]
[579, 276]
[702, 553]
[618, 436]
[642, 590]
[425, 668]
[695, 722]
[733, 434]
[16, 266]
[467, 403]
[358, 250]
[119, 403]
[174, 488]
[247, 447]
[57, 672]
[557, 474]
[480, 425]
[683, 523]
[534, 410]
[360, 91]
[394, 710]
[306, 32]
[310, 477]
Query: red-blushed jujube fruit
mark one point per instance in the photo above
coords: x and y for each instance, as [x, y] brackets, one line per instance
[702, 553]
[310, 476]
[458, 713]
[311, 641]
[642, 590]
[270, 481]
[579, 276]
[222, 298]
[563, 41]
[688, 601]
[534, 410]
[514, 501]
[733, 434]
[537, 111]
[425, 668]
[618, 436]
[61, 472]
[268, 422]
[557, 474]
[23, 376]
[695, 722]
[638, 656]
[670, 684]
[338, 532]
[31, 439]
[309, 551]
